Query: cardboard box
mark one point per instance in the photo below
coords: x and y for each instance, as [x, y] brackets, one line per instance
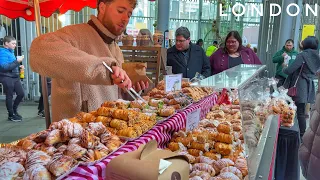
[143, 164]
[136, 71]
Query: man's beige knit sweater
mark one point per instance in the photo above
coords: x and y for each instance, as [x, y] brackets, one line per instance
[72, 57]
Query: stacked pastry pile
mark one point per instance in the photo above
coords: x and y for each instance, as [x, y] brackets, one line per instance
[59, 149]
[123, 122]
[214, 149]
[251, 125]
[286, 112]
[183, 97]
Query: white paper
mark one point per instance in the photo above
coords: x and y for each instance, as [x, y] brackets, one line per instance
[173, 82]
[193, 119]
[163, 165]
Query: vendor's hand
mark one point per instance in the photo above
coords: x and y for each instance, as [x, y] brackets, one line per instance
[21, 66]
[141, 85]
[284, 54]
[120, 75]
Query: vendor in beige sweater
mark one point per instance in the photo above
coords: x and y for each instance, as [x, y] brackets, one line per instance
[73, 55]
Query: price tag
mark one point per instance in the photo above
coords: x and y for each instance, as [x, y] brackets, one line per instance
[193, 119]
[173, 82]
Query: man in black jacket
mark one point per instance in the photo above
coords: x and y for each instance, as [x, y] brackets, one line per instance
[187, 58]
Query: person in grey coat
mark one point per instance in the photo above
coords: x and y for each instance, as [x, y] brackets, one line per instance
[309, 151]
[187, 58]
[310, 60]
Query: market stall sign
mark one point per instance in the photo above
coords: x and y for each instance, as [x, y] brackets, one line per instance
[173, 82]
[193, 119]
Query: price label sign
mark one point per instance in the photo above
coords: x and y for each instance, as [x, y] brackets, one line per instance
[173, 82]
[193, 119]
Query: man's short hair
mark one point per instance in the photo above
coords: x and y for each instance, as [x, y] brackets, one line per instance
[132, 2]
[183, 31]
[215, 42]
[8, 39]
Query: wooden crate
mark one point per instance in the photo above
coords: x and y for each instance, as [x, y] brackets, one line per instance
[155, 57]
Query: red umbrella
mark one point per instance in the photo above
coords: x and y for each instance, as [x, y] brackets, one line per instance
[31, 10]
[25, 8]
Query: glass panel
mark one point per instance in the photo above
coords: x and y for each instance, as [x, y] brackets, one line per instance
[232, 78]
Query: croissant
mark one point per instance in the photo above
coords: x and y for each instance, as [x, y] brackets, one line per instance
[105, 137]
[103, 111]
[75, 151]
[121, 114]
[72, 130]
[50, 150]
[101, 151]
[224, 138]
[37, 172]
[195, 152]
[203, 147]
[37, 157]
[203, 137]
[11, 170]
[118, 124]
[196, 178]
[229, 175]
[137, 104]
[54, 137]
[174, 146]
[41, 136]
[88, 140]
[26, 144]
[222, 163]
[212, 155]
[60, 164]
[109, 104]
[128, 132]
[222, 148]
[89, 156]
[96, 128]
[241, 164]
[112, 130]
[185, 141]
[223, 128]
[236, 127]
[166, 112]
[204, 167]
[113, 145]
[105, 120]
[59, 124]
[191, 158]
[205, 159]
[201, 174]
[233, 170]
[88, 117]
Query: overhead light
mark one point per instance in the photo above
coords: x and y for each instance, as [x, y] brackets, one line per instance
[62, 17]
[28, 12]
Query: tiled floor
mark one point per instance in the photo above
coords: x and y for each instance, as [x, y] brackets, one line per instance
[12, 131]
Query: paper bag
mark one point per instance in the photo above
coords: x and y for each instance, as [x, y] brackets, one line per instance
[136, 71]
[143, 164]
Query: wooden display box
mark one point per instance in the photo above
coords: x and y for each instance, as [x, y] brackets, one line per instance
[155, 57]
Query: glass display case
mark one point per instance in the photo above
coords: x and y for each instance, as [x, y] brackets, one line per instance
[249, 85]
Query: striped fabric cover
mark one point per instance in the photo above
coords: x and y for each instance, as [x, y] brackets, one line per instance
[161, 133]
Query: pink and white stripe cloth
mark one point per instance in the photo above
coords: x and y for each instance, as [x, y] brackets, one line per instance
[161, 133]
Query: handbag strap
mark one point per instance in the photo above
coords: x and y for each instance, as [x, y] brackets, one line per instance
[295, 84]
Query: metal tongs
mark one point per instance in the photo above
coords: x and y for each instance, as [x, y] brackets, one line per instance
[130, 91]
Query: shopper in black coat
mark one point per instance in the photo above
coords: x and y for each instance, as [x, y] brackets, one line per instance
[187, 58]
[310, 60]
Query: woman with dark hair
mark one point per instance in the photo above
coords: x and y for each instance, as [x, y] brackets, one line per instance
[301, 73]
[232, 54]
[200, 42]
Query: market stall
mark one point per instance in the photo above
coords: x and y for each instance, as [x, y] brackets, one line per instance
[236, 127]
